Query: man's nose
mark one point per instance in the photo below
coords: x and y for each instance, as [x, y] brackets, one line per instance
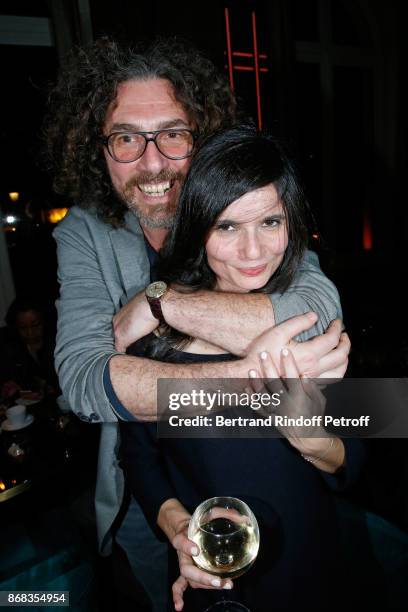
[152, 160]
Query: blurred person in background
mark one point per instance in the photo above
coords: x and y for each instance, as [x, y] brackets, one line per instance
[26, 355]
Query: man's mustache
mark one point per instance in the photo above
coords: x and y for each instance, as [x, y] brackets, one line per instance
[149, 177]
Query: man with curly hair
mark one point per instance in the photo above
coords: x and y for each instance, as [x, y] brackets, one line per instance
[121, 129]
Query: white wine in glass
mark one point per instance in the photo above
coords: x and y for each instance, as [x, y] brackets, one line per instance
[227, 535]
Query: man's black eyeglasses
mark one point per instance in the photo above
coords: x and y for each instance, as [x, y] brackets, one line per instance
[126, 147]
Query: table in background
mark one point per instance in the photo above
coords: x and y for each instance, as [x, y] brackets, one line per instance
[47, 523]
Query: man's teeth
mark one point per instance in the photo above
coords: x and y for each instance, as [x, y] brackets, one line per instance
[158, 189]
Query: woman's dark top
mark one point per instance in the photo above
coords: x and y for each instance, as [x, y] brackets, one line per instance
[299, 565]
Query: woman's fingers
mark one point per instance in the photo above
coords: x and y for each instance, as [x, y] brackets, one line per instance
[290, 373]
[187, 549]
[256, 382]
[289, 368]
[198, 578]
[228, 513]
[182, 544]
[267, 366]
[178, 589]
[272, 381]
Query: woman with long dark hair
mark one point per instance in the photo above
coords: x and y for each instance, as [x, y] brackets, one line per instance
[240, 227]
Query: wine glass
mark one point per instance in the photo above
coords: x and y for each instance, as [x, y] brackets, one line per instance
[227, 535]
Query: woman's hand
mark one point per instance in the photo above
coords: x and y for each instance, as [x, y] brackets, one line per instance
[190, 574]
[133, 321]
[174, 519]
[300, 397]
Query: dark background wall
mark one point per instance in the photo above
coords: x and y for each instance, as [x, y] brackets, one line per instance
[332, 82]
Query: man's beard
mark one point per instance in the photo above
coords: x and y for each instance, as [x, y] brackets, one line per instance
[153, 216]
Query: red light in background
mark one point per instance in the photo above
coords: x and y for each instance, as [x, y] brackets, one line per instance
[228, 34]
[257, 84]
[242, 54]
[247, 68]
[367, 233]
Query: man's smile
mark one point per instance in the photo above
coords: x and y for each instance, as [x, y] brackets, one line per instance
[155, 189]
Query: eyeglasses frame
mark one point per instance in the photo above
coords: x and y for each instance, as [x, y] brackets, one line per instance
[105, 142]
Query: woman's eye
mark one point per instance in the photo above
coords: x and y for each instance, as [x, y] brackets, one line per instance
[225, 227]
[272, 222]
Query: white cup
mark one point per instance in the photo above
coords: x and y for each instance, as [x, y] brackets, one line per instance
[16, 415]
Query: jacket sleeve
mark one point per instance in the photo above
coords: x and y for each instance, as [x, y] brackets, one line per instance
[144, 469]
[85, 309]
[310, 290]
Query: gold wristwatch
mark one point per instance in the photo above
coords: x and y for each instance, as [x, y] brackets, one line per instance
[154, 292]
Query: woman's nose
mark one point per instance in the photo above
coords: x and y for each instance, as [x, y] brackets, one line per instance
[251, 247]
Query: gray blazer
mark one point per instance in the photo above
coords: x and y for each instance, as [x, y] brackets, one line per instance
[99, 269]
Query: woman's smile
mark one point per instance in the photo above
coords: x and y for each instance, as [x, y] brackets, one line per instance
[253, 271]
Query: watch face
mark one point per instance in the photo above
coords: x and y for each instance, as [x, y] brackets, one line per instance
[156, 290]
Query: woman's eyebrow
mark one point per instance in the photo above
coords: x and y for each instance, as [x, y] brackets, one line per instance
[226, 221]
[262, 215]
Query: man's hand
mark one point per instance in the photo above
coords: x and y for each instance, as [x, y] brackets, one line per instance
[133, 321]
[324, 356]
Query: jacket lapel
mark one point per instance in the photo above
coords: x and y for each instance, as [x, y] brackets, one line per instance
[132, 262]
